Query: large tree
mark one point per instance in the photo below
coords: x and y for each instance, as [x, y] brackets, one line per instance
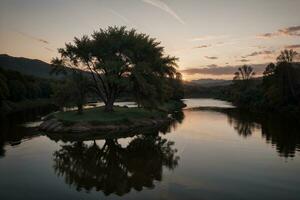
[281, 81]
[118, 58]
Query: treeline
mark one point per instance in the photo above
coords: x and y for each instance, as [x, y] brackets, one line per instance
[279, 89]
[16, 88]
[197, 91]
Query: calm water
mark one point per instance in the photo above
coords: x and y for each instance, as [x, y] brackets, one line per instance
[203, 155]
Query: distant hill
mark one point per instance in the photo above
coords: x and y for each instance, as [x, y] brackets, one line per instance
[26, 66]
[210, 82]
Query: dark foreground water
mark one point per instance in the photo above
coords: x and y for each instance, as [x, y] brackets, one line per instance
[222, 154]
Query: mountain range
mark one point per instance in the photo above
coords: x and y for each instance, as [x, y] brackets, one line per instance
[42, 69]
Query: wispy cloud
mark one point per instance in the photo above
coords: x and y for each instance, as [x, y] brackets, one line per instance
[211, 57]
[212, 66]
[49, 49]
[33, 37]
[222, 70]
[258, 53]
[244, 60]
[163, 6]
[294, 46]
[288, 31]
[203, 46]
[208, 37]
[291, 31]
[117, 14]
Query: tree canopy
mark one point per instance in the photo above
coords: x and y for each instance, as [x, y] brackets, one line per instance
[117, 59]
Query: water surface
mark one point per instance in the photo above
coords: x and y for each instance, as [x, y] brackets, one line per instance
[224, 154]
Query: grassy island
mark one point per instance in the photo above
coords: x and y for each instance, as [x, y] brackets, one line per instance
[98, 119]
[98, 115]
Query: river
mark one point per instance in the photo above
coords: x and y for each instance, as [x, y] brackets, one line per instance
[205, 154]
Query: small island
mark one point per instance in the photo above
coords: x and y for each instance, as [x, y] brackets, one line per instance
[123, 119]
[113, 64]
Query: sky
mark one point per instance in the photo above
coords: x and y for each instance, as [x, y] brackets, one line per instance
[211, 38]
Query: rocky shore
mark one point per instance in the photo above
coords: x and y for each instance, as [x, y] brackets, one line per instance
[55, 126]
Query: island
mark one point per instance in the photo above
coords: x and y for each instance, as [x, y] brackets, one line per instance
[122, 119]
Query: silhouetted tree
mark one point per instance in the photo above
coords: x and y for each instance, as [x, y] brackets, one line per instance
[287, 56]
[244, 73]
[281, 81]
[244, 89]
[118, 58]
[4, 91]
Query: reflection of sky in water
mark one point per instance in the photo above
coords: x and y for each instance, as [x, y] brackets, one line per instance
[99, 104]
[192, 103]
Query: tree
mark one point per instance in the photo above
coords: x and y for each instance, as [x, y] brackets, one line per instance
[73, 91]
[244, 90]
[287, 56]
[244, 73]
[281, 81]
[4, 91]
[118, 58]
[270, 70]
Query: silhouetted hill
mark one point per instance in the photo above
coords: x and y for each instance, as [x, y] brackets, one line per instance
[210, 82]
[25, 65]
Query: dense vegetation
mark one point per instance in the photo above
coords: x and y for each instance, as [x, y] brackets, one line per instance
[18, 90]
[279, 89]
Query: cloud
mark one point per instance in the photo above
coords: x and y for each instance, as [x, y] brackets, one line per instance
[203, 46]
[49, 49]
[222, 70]
[208, 37]
[125, 19]
[288, 31]
[163, 6]
[243, 60]
[212, 66]
[258, 53]
[266, 35]
[33, 37]
[294, 46]
[211, 57]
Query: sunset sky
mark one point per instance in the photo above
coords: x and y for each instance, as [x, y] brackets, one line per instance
[210, 37]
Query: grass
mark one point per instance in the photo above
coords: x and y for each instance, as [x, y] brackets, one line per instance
[99, 116]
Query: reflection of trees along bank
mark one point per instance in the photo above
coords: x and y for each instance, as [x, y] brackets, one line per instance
[283, 133]
[11, 131]
[113, 168]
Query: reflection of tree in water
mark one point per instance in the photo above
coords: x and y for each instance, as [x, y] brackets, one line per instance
[284, 134]
[242, 123]
[178, 118]
[281, 132]
[113, 168]
[2, 150]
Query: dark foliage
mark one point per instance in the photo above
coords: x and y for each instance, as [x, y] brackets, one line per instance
[15, 87]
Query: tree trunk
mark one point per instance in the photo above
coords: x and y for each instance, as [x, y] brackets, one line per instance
[109, 106]
[79, 109]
